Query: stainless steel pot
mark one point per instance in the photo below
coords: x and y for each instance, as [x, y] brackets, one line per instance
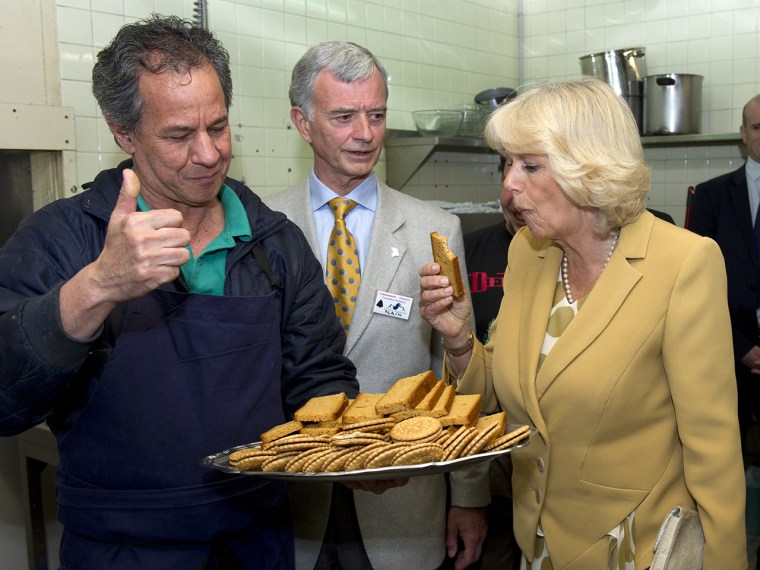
[624, 70]
[672, 104]
[621, 68]
[492, 98]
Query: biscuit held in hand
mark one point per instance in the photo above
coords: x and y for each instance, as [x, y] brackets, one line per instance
[449, 262]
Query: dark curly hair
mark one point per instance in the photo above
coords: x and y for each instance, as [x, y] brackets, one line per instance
[153, 45]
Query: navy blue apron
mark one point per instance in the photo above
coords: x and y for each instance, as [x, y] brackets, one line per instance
[189, 375]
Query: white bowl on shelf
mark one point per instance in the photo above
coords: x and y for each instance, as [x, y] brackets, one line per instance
[437, 122]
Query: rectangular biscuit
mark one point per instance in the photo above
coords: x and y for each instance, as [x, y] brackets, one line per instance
[362, 408]
[430, 379]
[428, 402]
[443, 405]
[406, 414]
[322, 408]
[425, 407]
[281, 430]
[465, 410]
[317, 428]
[499, 418]
[405, 394]
[324, 424]
[448, 261]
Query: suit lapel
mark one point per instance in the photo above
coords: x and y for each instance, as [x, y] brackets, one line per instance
[540, 279]
[603, 302]
[738, 197]
[303, 216]
[384, 255]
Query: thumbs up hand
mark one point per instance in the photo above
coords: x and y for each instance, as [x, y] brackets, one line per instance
[142, 250]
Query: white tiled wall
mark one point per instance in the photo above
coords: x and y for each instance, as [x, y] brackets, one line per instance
[438, 53]
[717, 39]
[84, 28]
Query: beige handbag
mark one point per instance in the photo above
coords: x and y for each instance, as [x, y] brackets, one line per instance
[680, 542]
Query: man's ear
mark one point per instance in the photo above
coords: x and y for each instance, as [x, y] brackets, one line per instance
[298, 116]
[123, 138]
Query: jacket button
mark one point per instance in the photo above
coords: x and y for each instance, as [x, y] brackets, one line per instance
[538, 495]
[540, 464]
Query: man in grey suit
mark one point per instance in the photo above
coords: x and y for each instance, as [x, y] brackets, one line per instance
[338, 94]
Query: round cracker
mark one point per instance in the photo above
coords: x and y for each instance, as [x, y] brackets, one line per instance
[252, 463]
[351, 438]
[479, 443]
[316, 461]
[376, 425]
[468, 434]
[508, 439]
[278, 462]
[358, 458]
[384, 457]
[295, 438]
[419, 453]
[338, 461]
[299, 446]
[418, 428]
[299, 460]
[247, 452]
[455, 437]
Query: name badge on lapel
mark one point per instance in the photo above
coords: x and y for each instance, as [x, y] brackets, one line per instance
[392, 305]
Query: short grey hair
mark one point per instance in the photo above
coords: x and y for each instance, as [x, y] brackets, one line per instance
[153, 45]
[347, 61]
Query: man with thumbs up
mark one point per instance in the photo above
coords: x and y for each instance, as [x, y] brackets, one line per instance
[163, 315]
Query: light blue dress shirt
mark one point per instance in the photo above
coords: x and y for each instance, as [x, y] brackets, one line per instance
[752, 170]
[753, 186]
[359, 220]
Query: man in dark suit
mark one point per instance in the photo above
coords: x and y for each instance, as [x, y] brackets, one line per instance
[724, 209]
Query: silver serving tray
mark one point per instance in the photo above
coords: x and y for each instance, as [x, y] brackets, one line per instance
[220, 461]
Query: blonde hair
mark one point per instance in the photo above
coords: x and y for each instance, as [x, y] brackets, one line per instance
[590, 139]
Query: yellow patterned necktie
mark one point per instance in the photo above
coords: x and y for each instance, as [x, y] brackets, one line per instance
[343, 272]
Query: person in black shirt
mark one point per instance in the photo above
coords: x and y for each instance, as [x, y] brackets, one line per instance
[486, 256]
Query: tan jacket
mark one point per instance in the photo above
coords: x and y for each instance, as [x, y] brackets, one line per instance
[635, 405]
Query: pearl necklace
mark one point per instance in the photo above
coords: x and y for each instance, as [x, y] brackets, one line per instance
[566, 280]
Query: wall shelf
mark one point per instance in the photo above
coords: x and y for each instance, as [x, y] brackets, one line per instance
[714, 138]
[407, 151]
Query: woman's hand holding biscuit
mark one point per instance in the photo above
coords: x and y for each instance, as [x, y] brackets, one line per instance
[447, 314]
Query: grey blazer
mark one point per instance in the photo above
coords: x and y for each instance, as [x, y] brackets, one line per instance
[404, 527]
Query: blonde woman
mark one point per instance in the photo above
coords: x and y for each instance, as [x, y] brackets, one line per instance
[613, 340]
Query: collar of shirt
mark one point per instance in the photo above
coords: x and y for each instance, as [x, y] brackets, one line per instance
[359, 220]
[236, 219]
[205, 274]
[752, 169]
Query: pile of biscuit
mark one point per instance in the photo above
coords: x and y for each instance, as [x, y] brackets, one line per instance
[419, 420]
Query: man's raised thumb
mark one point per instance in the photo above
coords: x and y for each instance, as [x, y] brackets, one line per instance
[130, 188]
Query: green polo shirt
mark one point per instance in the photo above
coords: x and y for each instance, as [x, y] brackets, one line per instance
[205, 273]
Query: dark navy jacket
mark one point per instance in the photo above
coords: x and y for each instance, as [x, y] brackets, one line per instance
[40, 362]
[720, 210]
